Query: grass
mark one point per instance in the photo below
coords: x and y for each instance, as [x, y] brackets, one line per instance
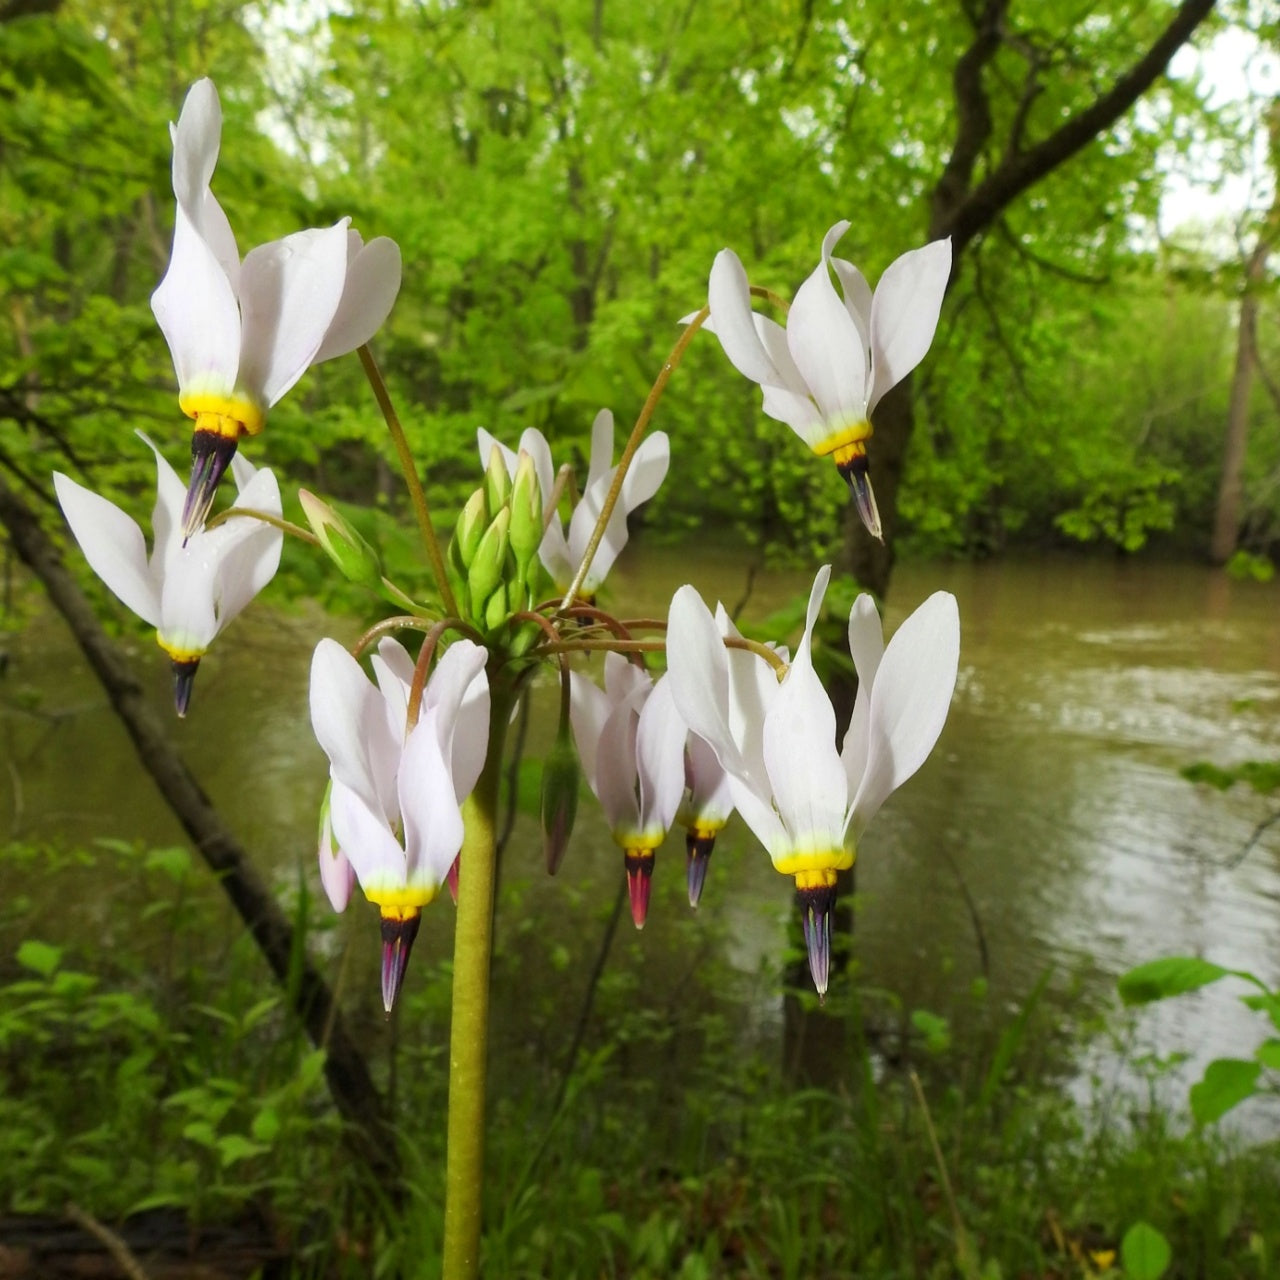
[157, 1067]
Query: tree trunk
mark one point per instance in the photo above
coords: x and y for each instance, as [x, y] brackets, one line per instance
[1226, 524]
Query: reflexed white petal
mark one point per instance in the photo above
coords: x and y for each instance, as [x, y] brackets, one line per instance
[393, 671]
[188, 618]
[616, 766]
[798, 412]
[645, 475]
[753, 689]
[857, 297]
[827, 349]
[554, 554]
[534, 443]
[589, 708]
[909, 701]
[289, 293]
[372, 282]
[166, 518]
[196, 139]
[866, 645]
[248, 549]
[196, 308]
[774, 338]
[432, 821]
[698, 670]
[808, 780]
[350, 724]
[336, 872]
[710, 798]
[459, 692]
[904, 314]
[601, 461]
[376, 856]
[660, 739]
[729, 296]
[113, 545]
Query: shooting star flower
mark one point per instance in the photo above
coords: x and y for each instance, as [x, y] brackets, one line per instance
[242, 333]
[631, 744]
[188, 590]
[808, 803]
[824, 374]
[396, 792]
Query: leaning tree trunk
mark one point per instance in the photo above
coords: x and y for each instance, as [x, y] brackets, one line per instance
[347, 1073]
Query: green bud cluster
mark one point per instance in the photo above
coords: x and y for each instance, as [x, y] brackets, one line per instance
[493, 555]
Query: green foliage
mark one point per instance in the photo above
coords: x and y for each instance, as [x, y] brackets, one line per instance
[1262, 775]
[1144, 1252]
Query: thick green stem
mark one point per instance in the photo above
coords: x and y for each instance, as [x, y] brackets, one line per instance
[469, 1035]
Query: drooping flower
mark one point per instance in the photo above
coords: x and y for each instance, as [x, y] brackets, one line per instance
[824, 374]
[561, 556]
[807, 802]
[396, 793]
[704, 810]
[631, 744]
[188, 591]
[242, 333]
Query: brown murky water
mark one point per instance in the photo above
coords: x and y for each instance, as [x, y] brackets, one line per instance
[1053, 797]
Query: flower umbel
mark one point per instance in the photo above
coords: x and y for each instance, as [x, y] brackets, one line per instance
[807, 802]
[187, 589]
[242, 333]
[824, 374]
[396, 791]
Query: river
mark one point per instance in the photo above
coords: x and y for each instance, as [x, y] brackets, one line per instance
[1050, 826]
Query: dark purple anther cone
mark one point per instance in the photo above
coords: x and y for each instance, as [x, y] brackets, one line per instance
[816, 906]
[397, 942]
[859, 482]
[184, 676]
[211, 454]
[639, 875]
[699, 851]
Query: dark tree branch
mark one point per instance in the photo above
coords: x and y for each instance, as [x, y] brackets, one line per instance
[350, 1084]
[962, 213]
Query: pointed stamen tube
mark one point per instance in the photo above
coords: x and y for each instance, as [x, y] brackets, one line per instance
[184, 675]
[699, 849]
[816, 905]
[854, 471]
[211, 454]
[639, 864]
[397, 941]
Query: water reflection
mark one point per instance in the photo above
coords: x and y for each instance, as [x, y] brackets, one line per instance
[1053, 793]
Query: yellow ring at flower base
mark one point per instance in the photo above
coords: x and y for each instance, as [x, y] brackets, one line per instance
[219, 414]
[179, 653]
[400, 904]
[846, 443]
[704, 830]
[816, 870]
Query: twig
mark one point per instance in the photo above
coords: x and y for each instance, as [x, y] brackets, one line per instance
[113, 1244]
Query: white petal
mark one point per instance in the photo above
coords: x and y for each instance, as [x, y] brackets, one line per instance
[909, 701]
[349, 720]
[289, 293]
[729, 296]
[393, 671]
[249, 549]
[196, 140]
[372, 282]
[487, 443]
[866, 646]
[798, 412]
[376, 856]
[433, 826]
[113, 545]
[601, 462]
[589, 708]
[534, 443]
[336, 872]
[196, 308]
[827, 347]
[188, 618]
[904, 314]
[458, 691]
[660, 739]
[808, 780]
[710, 800]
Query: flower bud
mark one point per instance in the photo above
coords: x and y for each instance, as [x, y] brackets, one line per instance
[487, 567]
[470, 528]
[356, 559]
[526, 513]
[560, 773]
[497, 483]
[498, 607]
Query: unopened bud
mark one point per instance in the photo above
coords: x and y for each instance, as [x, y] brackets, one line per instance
[470, 528]
[526, 513]
[356, 559]
[497, 482]
[497, 608]
[560, 773]
[487, 567]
